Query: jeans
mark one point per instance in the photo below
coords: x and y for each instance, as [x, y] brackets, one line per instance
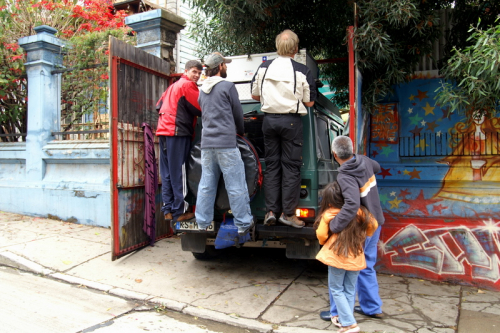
[342, 291]
[367, 285]
[229, 162]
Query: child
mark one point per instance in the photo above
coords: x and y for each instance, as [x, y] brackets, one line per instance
[343, 253]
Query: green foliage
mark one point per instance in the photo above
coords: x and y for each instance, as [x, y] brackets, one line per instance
[85, 88]
[73, 19]
[474, 73]
[390, 39]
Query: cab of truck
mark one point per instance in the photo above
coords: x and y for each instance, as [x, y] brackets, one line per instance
[321, 125]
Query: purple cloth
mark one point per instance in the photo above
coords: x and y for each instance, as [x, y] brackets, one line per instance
[150, 183]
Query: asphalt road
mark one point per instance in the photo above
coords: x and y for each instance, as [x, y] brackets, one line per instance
[32, 303]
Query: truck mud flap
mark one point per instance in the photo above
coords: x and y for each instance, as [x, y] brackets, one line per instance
[194, 242]
[302, 249]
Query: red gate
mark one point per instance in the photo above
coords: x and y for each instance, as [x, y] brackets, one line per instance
[138, 79]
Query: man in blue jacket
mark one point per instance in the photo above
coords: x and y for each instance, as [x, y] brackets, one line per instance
[359, 187]
[222, 119]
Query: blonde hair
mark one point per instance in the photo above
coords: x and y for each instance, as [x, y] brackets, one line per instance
[287, 42]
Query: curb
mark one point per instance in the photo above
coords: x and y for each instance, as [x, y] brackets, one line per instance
[15, 261]
[228, 319]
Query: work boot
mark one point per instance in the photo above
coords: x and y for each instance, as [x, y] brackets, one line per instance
[269, 219]
[292, 221]
[185, 217]
[168, 217]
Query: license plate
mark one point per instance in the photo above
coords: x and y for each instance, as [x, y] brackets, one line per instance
[192, 225]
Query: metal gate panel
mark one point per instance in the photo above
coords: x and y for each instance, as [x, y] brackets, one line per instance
[137, 81]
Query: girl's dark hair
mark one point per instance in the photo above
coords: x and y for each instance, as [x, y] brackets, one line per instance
[331, 197]
[351, 239]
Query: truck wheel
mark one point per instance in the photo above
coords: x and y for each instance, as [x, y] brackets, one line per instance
[210, 253]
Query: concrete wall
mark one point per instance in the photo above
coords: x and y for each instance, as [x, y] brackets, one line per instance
[68, 180]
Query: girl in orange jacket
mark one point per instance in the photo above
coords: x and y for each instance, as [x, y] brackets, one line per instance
[343, 254]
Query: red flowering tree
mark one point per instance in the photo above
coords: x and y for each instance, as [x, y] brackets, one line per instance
[86, 25]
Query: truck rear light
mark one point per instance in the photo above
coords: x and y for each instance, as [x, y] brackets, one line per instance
[305, 212]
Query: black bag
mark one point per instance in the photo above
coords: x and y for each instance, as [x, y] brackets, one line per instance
[253, 172]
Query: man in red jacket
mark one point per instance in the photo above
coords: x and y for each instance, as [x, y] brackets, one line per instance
[178, 108]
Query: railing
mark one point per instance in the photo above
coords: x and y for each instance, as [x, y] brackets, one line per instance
[446, 144]
[84, 110]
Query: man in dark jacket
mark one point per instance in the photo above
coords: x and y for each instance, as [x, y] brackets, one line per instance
[222, 118]
[359, 187]
[178, 109]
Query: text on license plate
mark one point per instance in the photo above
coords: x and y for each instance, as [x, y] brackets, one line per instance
[191, 225]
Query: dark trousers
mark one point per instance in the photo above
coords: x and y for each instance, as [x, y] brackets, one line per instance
[283, 143]
[174, 153]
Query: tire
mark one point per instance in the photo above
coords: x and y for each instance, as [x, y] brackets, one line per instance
[210, 253]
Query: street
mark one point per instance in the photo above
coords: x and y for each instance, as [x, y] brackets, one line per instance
[32, 303]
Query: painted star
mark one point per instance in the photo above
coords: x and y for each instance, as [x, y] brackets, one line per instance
[411, 98]
[420, 204]
[423, 122]
[438, 208]
[432, 125]
[421, 95]
[404, 193]
[428, 109]
[446, 113]
[385, 172]
[395, 203]
[374, 154]
[383, 198]
[490, 226]
[416, 130]
[422, 144]
[410, 110]
[386, 151]
[438, 133]
[406, 172]
[393, 194]
[415, 119]
[414, 174]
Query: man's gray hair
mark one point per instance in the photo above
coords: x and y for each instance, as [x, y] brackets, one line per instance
[193, 63]
[342, 146]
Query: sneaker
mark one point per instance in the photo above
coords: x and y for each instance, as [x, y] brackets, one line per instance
[336, 322]
[185, 217]
[354, 328]
[168, 217]
[247, 230]
[292, 221]
[269, 219]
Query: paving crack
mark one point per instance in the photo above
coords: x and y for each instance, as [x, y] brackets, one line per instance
[259, 317]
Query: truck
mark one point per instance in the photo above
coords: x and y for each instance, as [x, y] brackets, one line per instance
[321, 125]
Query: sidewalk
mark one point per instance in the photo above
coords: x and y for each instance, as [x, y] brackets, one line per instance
[254, 289]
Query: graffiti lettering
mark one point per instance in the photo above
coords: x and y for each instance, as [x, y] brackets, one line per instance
[445, 250]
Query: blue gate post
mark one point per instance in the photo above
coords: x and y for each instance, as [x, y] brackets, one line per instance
[157, 33]
[44, 91]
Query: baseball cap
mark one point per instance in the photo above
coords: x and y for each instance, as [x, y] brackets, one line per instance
[215, 59]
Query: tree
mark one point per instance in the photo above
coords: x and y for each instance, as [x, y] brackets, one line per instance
[473, 74]
[86, 24]
[391, 36]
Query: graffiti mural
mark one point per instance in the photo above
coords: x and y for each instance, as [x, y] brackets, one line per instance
[446, 251]
[439, 187]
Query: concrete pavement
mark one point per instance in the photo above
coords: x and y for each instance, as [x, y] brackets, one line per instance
[251, 288]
